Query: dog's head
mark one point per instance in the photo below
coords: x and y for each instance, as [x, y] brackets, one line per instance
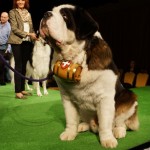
[66, 23]
[71, 29]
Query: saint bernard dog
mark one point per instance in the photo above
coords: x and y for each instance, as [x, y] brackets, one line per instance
[91, 93]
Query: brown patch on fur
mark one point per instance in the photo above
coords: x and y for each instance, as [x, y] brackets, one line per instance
[99, 54]
[124, 101]
[133, 122]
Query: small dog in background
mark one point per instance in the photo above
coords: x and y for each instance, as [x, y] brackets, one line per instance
[38, 66]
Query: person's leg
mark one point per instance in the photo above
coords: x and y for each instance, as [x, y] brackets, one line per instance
[17, 52]
[7, 57]
[7, 73]
[2, 70]
[26, 53]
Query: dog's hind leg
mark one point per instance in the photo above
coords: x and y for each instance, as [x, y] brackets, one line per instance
[26, 82]
[124, 121]
[133, 122]
[83, 126]
[28, 75]
[27, 86]
[37, 85]
[38, 91]
[44, 88]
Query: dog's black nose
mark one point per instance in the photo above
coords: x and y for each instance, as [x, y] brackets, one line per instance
[47, 14]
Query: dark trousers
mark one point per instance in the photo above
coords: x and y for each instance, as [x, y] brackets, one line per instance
[22, 53]
[2, 66]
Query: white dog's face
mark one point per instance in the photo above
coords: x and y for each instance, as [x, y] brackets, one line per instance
[65, 24]
[54, 25]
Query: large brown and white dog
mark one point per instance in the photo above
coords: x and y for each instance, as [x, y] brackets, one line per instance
[97, 102]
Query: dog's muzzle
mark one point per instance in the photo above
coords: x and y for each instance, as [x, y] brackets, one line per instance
[47, 15]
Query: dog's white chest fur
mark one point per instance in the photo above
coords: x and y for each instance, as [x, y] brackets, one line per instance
[88, 92]
[41, 59]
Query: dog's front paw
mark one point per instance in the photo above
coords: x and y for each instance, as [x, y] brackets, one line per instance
[119, 132]
[109, 143]
[67, 136]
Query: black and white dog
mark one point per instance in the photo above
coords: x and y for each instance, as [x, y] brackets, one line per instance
[38, 66]
[96, 101]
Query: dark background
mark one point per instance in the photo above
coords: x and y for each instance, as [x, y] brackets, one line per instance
[124, 24]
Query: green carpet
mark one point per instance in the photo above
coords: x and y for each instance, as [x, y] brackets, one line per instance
[36, 123]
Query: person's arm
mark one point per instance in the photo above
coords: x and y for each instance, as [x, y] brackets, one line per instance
[15, 21]
[8, 49]
[32, 33]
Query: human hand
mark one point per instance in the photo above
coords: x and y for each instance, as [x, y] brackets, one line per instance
[33, 36]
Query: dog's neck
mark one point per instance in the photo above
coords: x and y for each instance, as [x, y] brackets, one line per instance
[74, 51]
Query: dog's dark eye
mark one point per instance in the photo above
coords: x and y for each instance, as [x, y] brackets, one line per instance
[64, 16]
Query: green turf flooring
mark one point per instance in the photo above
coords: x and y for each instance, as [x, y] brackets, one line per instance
[36, 123]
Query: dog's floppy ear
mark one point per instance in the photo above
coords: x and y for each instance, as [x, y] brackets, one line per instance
[86, 26]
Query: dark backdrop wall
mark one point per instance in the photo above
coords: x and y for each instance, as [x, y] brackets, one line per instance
[124, 24]
[126, 28]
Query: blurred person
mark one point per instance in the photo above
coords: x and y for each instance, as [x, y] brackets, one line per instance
[132, 66]
[21, 39]
[5, 48]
